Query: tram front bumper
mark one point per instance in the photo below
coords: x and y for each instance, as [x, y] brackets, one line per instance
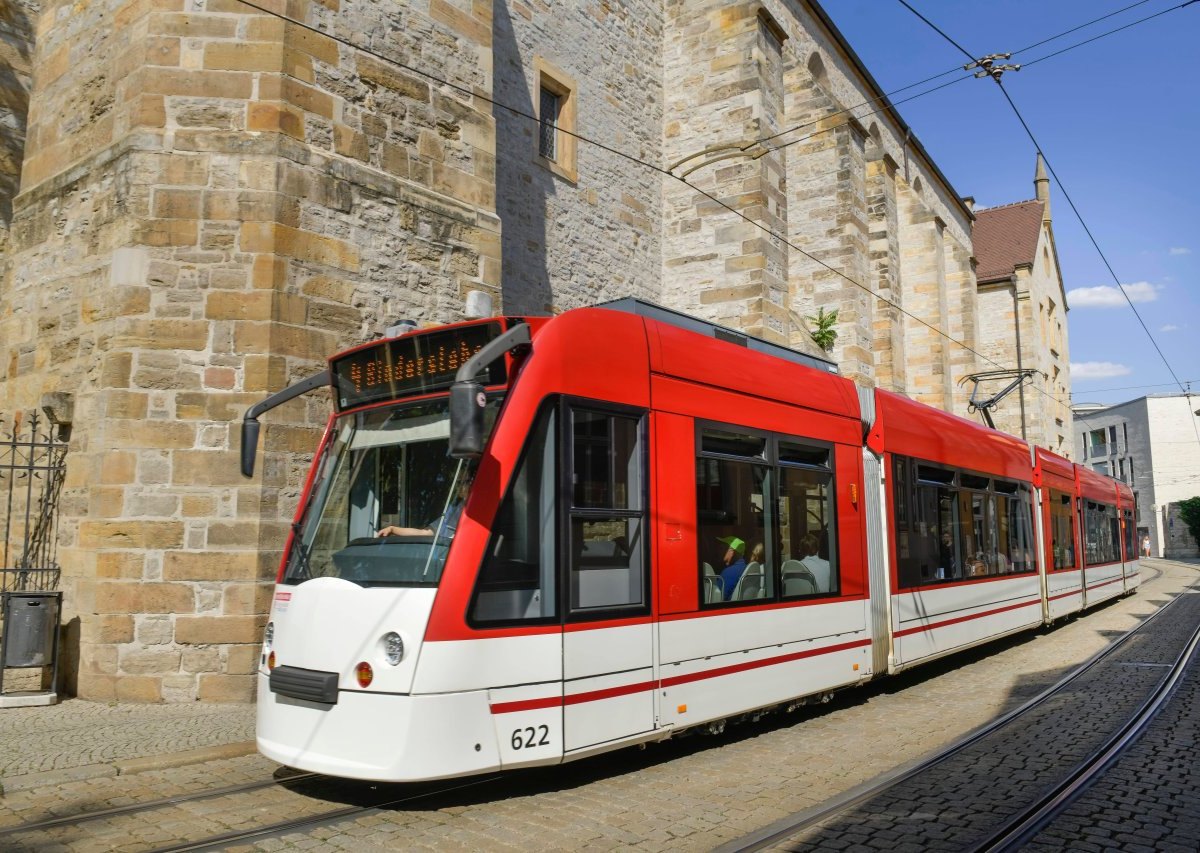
[378, 736]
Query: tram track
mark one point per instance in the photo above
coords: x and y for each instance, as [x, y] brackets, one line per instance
[1019, 829]
[218, 842]
[1027, 824]
[150, 805]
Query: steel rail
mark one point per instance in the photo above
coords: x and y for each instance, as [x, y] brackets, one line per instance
[800, 821]
[148, 805]
[1020, 829]
[219, 842]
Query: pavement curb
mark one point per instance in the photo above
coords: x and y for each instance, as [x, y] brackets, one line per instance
[61, 776]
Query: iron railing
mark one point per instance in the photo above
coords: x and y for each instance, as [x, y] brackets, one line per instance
[32, 468]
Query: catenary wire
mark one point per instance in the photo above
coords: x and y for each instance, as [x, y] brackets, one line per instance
[633, 159]
[1033, 62]
[884, 96]
[1067, 195]
[1135, 387]
[659, 169]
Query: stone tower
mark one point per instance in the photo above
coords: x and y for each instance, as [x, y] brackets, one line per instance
[215, 195]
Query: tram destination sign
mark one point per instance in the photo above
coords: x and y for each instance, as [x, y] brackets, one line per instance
[416, 364]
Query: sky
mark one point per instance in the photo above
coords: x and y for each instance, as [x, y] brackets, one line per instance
[1117, 119]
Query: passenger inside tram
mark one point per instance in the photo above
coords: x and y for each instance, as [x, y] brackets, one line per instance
[735, 564]
[810, 547]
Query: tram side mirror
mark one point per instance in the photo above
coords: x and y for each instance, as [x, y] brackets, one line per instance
[467, 402]
[250, 428]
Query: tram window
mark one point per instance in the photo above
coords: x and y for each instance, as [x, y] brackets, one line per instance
[1062, 530]
[1130, 532]
[729, 443]
[1102, 542]
[765, 517]
[972, 481]
[953, 525]
[607, 470]
[807, 551]
[517, 579]
[607, 515]
[731, 500]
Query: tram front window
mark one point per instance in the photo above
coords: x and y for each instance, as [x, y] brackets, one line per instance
[386, 501]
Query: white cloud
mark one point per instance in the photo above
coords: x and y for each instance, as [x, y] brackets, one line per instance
[1180, 250]
[1105, 296]
[1170, 327]
[1097, 370]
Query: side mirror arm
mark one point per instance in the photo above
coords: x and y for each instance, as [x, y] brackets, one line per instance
[251, 426]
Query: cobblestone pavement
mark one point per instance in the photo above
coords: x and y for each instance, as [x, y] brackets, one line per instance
[1150, 799]
[77, 734]
[958, 803]
[691, 794]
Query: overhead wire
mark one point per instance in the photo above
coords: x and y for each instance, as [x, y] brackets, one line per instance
[666, 172]
[958, 68]
[1066, 194]
[624, 155]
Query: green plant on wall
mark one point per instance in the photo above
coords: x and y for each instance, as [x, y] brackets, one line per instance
[824, 334]
[1189, 511]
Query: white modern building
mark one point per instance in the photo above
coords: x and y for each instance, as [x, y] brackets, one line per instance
[1152, 443]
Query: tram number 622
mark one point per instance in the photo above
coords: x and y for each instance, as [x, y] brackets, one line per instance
[530, 737]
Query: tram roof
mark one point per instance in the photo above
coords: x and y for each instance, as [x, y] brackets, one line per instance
[915, 429]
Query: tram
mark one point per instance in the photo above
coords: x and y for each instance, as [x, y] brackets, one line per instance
[524, 541]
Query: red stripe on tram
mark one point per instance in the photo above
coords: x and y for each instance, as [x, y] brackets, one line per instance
[921, 628]
[641, 687]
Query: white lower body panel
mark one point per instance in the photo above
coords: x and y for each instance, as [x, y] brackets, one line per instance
[1103, 582]
[1065, 593]
[934, 622]
[379, 736]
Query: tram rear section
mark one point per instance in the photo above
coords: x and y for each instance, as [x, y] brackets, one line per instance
[650, 526]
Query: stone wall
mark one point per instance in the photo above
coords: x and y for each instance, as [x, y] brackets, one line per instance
[723, 73]
[1178, 542]
[17, 19]
[580, 237]
[215, 200]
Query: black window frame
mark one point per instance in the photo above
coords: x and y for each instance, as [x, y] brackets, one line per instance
[770, 459]
[911, 473]
[567, 511]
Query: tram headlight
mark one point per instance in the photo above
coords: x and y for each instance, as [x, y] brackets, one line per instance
[269, 636]
[393, 647]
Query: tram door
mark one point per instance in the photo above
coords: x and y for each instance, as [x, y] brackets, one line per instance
[608, 654]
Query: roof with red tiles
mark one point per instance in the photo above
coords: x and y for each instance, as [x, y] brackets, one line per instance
[1006, 237]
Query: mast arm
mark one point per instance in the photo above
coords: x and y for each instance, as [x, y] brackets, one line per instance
[250, 424]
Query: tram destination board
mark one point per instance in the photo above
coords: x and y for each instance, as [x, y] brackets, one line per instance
[414, 364]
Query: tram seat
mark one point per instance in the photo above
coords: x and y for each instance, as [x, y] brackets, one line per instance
[797, 579]
[712, 585]
[751, 584]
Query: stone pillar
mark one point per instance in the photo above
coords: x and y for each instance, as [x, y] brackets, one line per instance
[962, 324]
[890, 369]
[827, 198]
[723, 83]
[214, 201]
[17, 19]
[922, 268]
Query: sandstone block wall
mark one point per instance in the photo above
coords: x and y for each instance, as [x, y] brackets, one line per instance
[572, 240]
[214, 199]
[17, 19]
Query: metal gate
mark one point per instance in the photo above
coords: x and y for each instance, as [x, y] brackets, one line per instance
[32, 465]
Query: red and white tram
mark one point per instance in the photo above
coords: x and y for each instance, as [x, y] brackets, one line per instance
[525, 541]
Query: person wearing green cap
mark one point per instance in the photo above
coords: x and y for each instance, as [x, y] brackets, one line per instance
[735, 564]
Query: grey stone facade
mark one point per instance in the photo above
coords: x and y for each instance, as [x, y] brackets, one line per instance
[1152, 444]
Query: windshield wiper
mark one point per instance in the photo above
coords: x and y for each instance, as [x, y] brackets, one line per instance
[301, 551]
